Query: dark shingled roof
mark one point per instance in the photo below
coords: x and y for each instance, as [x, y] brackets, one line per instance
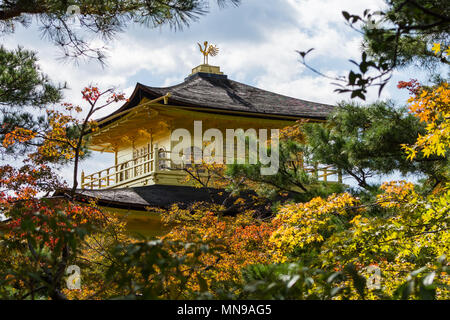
[139, 198]
[216, 92]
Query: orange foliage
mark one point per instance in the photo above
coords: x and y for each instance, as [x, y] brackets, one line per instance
[236, 241]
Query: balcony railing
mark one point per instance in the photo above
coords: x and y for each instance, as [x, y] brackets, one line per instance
[125, 172]
[147, 164]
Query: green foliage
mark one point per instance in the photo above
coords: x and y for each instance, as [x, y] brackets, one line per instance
[23, 85]
[421, 283]
[287, 281]
[21, 81]
[364, 141]
[292, 281]
[150, 269]
[418, 26]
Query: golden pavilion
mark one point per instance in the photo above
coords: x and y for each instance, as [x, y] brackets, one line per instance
[138, 133]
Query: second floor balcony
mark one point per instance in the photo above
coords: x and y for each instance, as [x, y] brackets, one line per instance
[156, 167]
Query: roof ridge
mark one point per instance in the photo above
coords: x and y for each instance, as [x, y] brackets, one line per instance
[200, 75]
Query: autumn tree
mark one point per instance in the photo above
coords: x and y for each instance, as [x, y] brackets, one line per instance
[235, 241]
[402, 231]
[44, 234]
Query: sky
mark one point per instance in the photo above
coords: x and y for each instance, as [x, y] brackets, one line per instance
[257, 41]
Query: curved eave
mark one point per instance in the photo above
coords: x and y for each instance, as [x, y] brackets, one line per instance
[133, 101]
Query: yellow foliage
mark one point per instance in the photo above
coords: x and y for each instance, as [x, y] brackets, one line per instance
[305, 223]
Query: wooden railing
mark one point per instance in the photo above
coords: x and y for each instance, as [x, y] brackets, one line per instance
[325, 173]
[124, 172]
[157, 161]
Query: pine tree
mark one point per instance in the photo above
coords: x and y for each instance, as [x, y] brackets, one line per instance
[23, 87]
[366, 141]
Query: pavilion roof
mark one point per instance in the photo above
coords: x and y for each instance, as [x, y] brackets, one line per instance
[216, 93]
[140, 198]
